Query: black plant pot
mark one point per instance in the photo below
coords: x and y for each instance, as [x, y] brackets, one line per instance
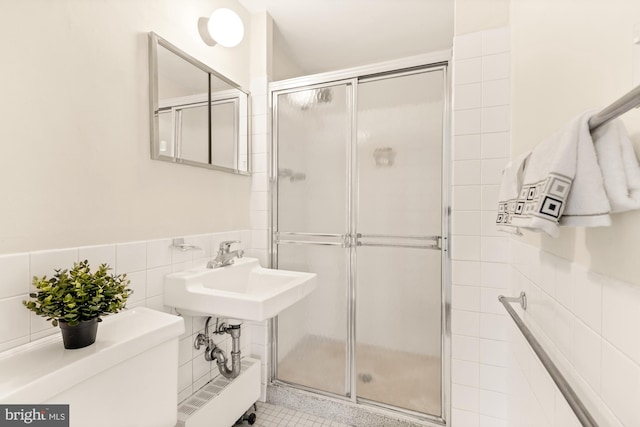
[81, 335]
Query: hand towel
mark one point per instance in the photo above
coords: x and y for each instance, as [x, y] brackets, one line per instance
[510, 185]
[561, 184]
[619, 166]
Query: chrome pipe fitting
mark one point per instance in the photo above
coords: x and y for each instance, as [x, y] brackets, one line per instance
[214, 353]
[221, 359]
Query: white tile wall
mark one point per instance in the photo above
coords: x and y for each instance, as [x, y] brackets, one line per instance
[480, 269]
[468, 46]
[467, 147]
[15, 275]
[496, 41]
[594, 347]
[105, 253]
[467, 198]
[466, 172]
[495, 145]
[146, 263]
[259, 206]
[467, 122]
[496, 92]
[496, 66]
[619, 310]
[469, 95]
[44, 263]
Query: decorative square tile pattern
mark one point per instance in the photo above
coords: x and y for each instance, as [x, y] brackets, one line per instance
[269, 415]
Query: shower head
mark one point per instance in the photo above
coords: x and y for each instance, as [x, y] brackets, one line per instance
[310, 98]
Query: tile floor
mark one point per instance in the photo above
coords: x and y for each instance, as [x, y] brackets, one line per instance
[277, 416]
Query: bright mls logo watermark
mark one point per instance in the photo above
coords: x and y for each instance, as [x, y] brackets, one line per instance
[34, 415]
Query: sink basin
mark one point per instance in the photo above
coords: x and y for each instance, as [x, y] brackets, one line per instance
[243, 290]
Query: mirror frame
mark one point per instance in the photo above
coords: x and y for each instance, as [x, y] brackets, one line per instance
[154, 101]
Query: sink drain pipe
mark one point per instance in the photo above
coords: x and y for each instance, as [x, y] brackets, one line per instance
[221, 359]
[215, 353]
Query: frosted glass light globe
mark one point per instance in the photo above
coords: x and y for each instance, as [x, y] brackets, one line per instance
[226, 27]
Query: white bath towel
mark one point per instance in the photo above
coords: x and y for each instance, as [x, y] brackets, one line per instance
[561, 184]
[619, 166]
[512, 177]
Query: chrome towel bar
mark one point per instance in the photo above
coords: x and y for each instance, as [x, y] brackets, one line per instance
[617, 108]
[572, 398]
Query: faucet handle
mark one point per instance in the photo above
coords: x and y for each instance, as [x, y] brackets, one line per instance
[226, 245]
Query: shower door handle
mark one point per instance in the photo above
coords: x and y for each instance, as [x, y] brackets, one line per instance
[391, 241]
[322, 239]
[355, 240]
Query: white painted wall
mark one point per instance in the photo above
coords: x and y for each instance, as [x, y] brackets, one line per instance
[568, 57]
[583, 288]
[76, 168]
[76, 122]
[284, 66]
[472, 16]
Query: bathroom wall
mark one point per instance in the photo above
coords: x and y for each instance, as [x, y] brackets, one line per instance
[261, 41]
[472, 16]
[78, 127]
[569, 57]
[283, 65]
[583, 288]
[262, 30]
[76, 168]
[588, 323]
[480, 256]
[145, 263]
[585, 320]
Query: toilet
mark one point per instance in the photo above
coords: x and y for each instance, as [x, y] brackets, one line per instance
[128, 378]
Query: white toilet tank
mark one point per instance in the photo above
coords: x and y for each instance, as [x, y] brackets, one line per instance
[128, 378]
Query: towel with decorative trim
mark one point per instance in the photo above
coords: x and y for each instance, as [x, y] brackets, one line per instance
[619, 166]
[511, 184]
[561, 184]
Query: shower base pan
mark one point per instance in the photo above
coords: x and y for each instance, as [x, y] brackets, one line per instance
[391, 377]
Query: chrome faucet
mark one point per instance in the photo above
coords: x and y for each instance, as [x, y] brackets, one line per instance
[225, 256]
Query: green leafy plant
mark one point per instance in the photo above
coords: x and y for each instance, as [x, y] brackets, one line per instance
[78, 294]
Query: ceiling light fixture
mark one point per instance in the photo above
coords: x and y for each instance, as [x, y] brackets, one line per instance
[223, 27]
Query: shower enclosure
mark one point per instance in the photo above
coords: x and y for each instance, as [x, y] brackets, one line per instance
[357, 184]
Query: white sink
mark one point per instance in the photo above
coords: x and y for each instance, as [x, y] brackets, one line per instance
[243, 290]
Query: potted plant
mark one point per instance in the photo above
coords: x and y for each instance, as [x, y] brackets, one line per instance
[75, 299]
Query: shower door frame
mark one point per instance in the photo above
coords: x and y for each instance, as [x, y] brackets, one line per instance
[421, 63]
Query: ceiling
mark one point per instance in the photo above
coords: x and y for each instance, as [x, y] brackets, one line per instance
[325, 35]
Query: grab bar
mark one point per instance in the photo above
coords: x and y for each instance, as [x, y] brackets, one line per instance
[572, 398]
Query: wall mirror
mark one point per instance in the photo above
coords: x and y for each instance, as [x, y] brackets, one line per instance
[198, 116]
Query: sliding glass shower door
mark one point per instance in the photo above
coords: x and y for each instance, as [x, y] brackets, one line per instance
[314, 129]
[399, 221]
[358, 200]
